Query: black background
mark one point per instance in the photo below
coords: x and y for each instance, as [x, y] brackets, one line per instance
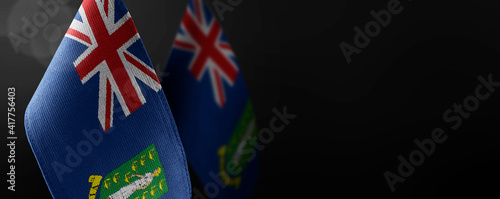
[353, 121]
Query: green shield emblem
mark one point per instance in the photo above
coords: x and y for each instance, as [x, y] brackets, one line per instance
[139, 178]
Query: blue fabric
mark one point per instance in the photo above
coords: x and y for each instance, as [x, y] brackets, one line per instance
[63, 112]
[204, 125]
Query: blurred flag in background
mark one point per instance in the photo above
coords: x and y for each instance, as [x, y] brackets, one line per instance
[99, 124]
[211, 106]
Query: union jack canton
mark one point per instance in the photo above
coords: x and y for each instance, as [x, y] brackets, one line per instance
[114, 35]
[202, 34]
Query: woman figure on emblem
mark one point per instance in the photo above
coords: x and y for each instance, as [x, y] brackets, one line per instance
[144, 181]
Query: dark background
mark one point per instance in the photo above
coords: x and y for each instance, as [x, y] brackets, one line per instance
[353, 121]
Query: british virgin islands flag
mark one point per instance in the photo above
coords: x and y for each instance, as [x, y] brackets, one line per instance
[211, 106]
[99, 124]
